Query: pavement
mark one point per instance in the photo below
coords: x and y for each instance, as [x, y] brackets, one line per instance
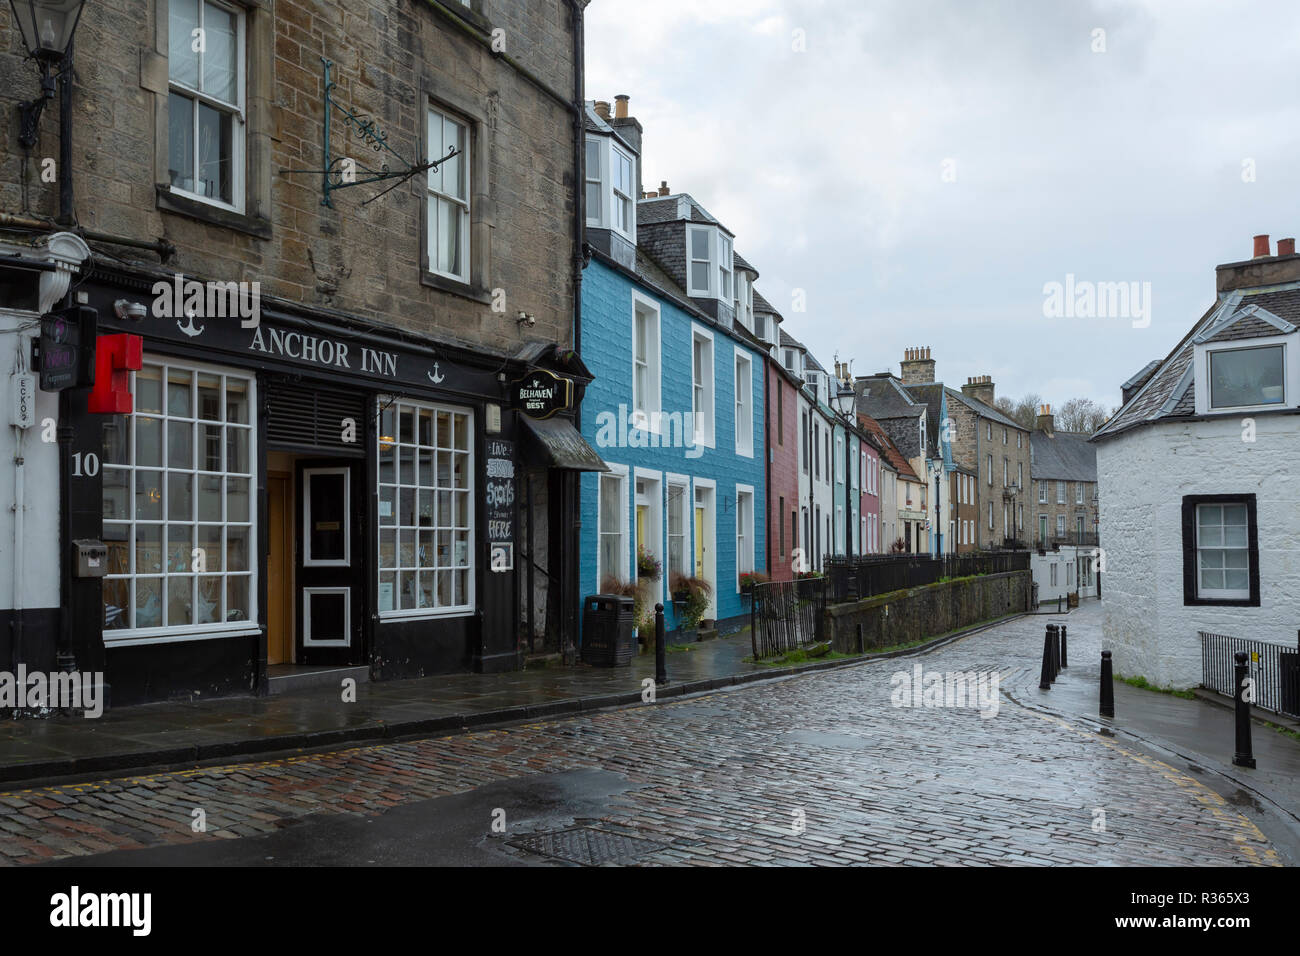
[829, 767]
[191, 732]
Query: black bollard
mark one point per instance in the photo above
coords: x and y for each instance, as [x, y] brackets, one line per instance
[1243, 757]
[661, 665]
[1054, 649]
[1107, 686]
[1045, 679]
[1064, 650]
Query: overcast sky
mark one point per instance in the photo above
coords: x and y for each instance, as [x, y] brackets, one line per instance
[923, 169]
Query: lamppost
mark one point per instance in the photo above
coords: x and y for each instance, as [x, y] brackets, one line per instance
[47, 27]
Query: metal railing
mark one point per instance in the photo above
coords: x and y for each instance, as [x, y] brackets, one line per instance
[1274, 667]
[785, 615]
[856, 578]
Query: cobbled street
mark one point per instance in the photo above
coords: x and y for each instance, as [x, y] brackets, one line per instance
[816, 769]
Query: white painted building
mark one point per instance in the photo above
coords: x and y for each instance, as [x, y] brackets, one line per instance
[1199, 521]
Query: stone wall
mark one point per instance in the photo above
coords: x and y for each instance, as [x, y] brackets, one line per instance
[919, 613]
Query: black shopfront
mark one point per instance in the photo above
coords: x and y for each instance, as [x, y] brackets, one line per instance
[302, 490]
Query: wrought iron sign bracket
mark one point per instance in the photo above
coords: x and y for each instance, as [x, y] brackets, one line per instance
[343, 171]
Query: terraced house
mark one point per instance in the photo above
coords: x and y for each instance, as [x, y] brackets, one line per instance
[333, 253]
[677, 408]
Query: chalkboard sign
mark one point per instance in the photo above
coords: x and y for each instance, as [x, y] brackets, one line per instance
[499, 488]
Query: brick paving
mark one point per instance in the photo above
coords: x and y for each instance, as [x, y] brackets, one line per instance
[726, 779]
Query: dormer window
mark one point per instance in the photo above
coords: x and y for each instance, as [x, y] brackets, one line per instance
[609, 187]
[1241, 364]
[709, 267]
[1249, 376]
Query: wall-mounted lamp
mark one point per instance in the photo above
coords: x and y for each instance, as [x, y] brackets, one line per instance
[47, 27]
[126, 310]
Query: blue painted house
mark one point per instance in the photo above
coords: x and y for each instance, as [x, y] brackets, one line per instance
[676, 407]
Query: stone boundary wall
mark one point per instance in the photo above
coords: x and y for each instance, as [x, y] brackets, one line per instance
[902, 617]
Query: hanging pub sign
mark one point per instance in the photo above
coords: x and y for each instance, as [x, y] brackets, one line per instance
[500, 493]
[67, 348]
[540, 393]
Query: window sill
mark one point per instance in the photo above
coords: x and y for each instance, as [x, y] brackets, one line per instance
[425, 614]
[172, 202]
[1221, 602]
[137, 637]
[455, 287]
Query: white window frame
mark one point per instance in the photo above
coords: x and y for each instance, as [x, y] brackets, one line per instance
[1220, 594]
[655, 501]
[470, 569]
[615, 196]
[238, 125]
[681, 483]
[1060, 492]
[726, 268]
[647, 409]
[432, 196]
[1289, 342]
[1042, 491]
[744, 409]
[164, 633]
[598, 178]
[1078, 492]
[703, 420]
[707, 291]
[619, 474]
[745, 525]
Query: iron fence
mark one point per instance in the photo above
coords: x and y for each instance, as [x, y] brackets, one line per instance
[785, 615]
[1274, 667]
[865, 576]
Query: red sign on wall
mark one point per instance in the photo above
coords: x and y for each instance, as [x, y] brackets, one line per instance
[116, 357]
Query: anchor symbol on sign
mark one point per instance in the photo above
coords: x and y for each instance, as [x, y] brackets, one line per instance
[189, 328]
[435, 376]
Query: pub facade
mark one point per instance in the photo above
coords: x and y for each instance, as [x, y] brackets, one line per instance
[332, 420]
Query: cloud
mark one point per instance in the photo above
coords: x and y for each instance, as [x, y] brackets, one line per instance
[829, 164]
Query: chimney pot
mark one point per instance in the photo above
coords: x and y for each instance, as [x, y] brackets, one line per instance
[602, 109]
[620, 106]
[663, 187]
[1286, 247]
[1261, 246]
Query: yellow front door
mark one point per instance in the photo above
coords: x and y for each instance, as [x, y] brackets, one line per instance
[699, 542]
[641, 511]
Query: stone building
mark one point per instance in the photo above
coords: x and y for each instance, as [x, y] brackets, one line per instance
[1197, 475]
[1064, 473]
[346, 239]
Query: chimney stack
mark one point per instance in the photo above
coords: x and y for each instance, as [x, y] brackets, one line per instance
[1045, 421]
[620, 106]
[663, 187]
[917, 366]
[1263, 269]
[980, 388]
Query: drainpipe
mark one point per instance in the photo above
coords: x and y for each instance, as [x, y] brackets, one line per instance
[65, 142]
[20, 505]
[579, 262]
[767, 468]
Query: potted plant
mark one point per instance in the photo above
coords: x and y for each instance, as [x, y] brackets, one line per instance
[680, 589]
[697, 601]
[647, 565]
[748, 579]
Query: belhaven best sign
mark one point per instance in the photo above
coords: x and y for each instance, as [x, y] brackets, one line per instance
[540, 393]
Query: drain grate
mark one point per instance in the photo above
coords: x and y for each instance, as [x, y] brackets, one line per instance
[586, 846]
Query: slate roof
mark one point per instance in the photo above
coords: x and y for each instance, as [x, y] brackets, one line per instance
[762, 305]
[741, 262]
[931, 395]
[887, 447]
[596, 124]
[883, 396]
[987, 411]
[1170, 391]
[1067, 456]
[788, 341]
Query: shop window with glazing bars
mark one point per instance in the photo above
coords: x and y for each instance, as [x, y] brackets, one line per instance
[179, 514]
[426, 509]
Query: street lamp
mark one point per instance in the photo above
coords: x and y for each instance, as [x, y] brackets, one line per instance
[47, 27]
